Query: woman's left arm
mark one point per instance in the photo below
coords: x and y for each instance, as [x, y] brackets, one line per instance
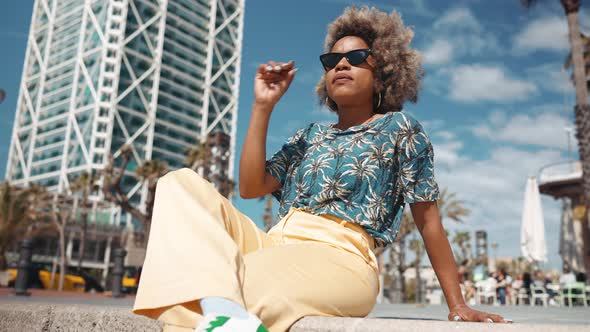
[428, 221]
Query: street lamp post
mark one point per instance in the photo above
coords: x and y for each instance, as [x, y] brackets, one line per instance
[494, 246]
[24, 268]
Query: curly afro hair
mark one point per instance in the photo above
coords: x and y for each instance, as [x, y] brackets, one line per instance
[398, 70]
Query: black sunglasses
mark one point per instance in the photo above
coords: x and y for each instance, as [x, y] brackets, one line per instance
[355, 58]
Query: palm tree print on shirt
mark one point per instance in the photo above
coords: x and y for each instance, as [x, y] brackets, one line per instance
[364, 174]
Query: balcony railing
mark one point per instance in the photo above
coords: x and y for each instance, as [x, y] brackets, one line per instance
[562, 171]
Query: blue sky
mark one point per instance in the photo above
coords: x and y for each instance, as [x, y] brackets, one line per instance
[494, 101]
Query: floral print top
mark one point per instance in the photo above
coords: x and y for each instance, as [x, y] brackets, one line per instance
[364, 174]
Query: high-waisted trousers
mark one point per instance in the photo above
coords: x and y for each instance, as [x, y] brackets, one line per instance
[200, 245]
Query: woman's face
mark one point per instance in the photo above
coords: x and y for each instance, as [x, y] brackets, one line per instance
[347, 84]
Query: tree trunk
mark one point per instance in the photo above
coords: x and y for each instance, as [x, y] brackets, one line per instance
[393, 286]
[401, 269]
[84, 217]
[465, 253]
[402, 285]
[2, 258]
[62, 258]
[418, 284]
[582, 114]
[577, 59]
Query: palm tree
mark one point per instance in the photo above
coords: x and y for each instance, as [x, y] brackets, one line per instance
[85, 184]
[198, 157]
[417, 246]
[59, 209]
[397, 256]
[568, 63]
[582, 108]
[149, 172]
[449, 207]
[267, 215]
[462, 240]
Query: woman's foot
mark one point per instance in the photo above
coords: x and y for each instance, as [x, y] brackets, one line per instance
[220, 323]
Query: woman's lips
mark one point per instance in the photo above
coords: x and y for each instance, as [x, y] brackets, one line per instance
[341, 77]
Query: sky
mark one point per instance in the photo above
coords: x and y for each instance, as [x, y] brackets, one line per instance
[495, 100]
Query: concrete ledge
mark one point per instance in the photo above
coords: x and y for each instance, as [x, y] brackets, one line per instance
[74, 317]
[60, 317]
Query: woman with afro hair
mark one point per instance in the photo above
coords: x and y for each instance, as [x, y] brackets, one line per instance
[342, 189]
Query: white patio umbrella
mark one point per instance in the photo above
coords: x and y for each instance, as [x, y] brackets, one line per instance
[532, 234]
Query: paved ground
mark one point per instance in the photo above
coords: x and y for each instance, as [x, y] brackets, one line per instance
[49, 296]
[520, 314]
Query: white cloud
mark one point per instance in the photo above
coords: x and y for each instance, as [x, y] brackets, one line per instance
[544, 127]
[552, 77]
[415, 7]
[475, 83]
[493, 189]
[419, 7]
[447, 135]
[441, 51]
[447, 153]
[544, 33]
[458, 33]
[459, 17]
[309, 76]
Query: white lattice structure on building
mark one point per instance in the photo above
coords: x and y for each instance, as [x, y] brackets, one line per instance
[157, 75]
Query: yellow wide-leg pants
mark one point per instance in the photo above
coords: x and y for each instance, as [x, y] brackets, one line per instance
[200, 245]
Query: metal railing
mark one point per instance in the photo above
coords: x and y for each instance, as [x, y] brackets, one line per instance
[561, 171]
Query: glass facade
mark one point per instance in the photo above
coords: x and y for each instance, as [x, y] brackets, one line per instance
[155, 75]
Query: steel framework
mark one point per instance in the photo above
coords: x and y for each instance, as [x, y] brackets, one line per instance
[156, 75]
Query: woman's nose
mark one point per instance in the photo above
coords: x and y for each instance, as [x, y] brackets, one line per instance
[342, 65]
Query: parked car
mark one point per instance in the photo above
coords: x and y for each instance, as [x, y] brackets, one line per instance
[130, 279]
[40, 277]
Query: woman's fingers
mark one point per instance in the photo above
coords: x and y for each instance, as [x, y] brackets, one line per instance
[457, 317]
[287, 66]
[498, 319]
[279, 67]
[470, 315]
[489, 318]
[273, 67]
[274, 72]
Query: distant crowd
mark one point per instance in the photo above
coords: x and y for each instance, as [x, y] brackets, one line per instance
[502, 289]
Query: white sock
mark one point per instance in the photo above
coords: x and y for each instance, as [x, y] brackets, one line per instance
[223, 307]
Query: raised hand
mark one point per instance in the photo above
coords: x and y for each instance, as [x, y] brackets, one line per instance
[272, 81]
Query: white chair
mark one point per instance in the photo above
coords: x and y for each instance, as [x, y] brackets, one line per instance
[434, 297]
[521, 296]
[539, 293]
[511, 296]
[486, 290]
[4, 278]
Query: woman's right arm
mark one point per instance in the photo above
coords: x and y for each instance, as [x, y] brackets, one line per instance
[269, 86]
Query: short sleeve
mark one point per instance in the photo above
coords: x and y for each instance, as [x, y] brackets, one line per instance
[416, 162]
[278, 164]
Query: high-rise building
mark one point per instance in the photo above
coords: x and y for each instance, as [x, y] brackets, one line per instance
[481, 245]
[156, 75]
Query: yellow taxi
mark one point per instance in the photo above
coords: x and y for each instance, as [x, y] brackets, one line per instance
[42, 279]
